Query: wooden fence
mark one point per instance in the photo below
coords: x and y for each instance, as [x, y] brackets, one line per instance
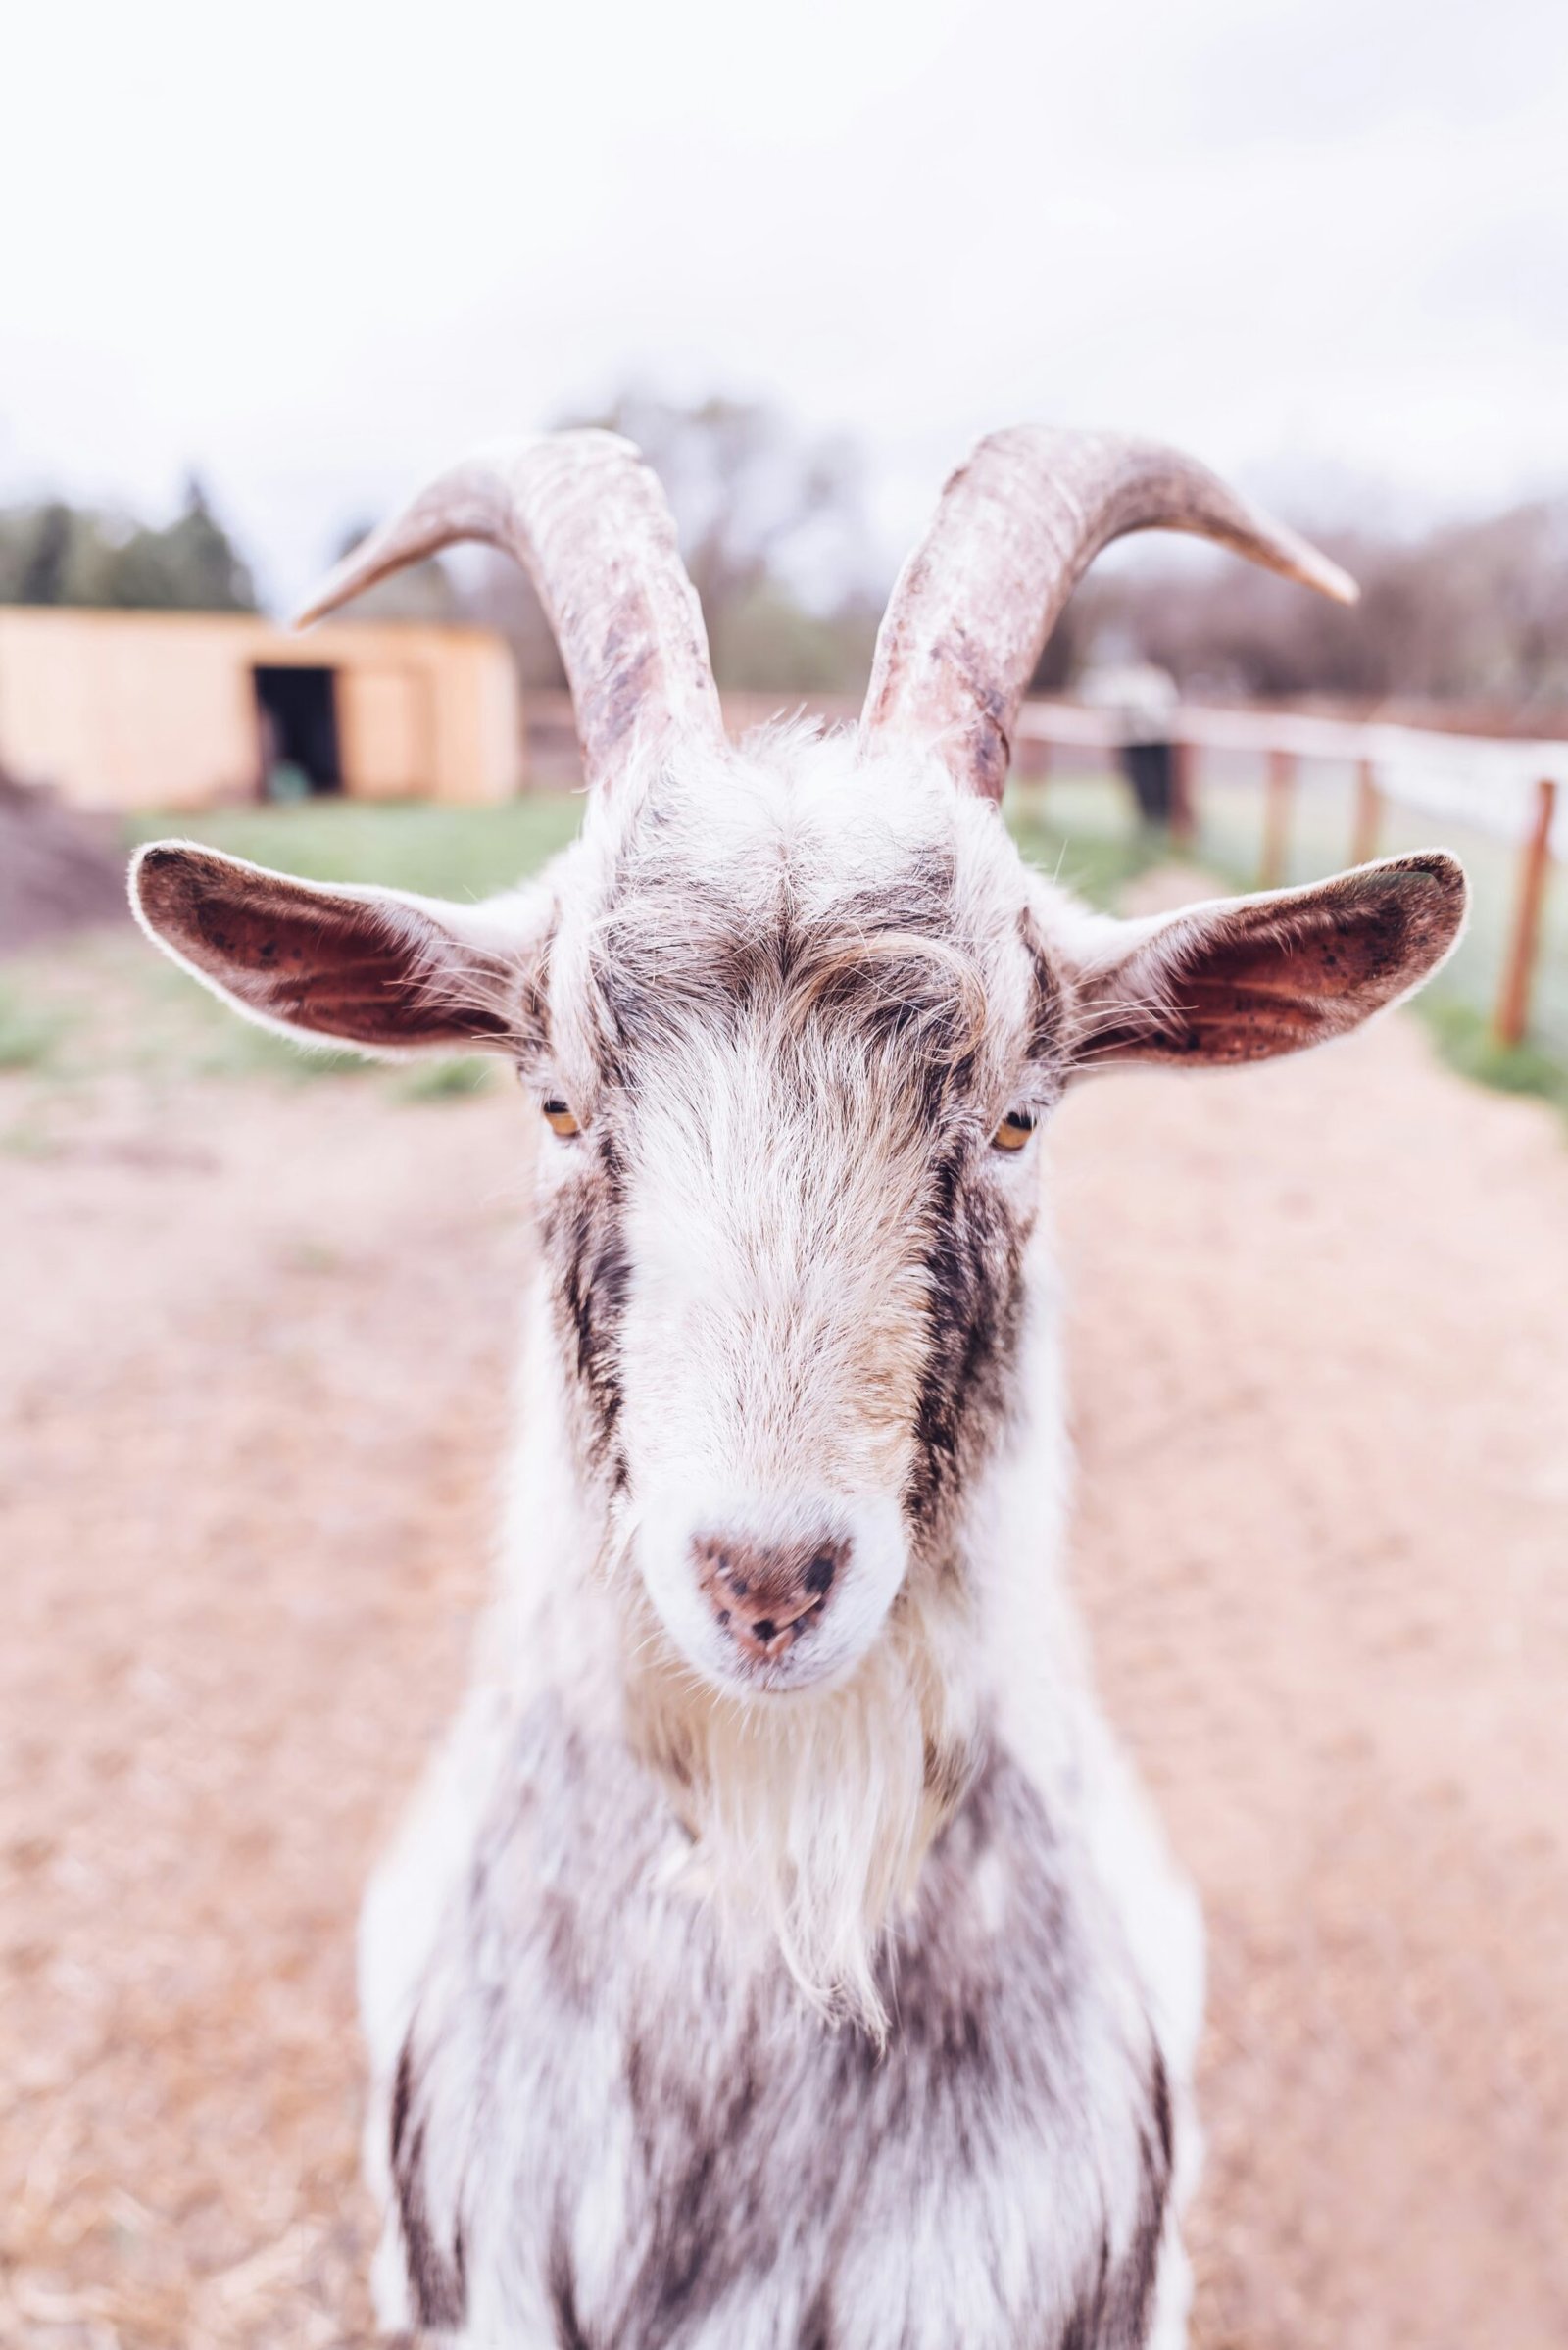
[1507, 790]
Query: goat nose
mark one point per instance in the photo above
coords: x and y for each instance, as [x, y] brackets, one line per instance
[766, 1595]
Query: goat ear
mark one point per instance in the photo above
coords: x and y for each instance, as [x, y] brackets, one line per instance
[1247, 978]
[376, 968]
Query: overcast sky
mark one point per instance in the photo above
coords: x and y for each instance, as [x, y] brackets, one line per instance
[316, 250]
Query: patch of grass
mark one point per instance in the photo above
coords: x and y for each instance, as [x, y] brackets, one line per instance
[171, 1027]
[1082, 830]
[30, 1138]
[242, 1051]
[446, 1080]
[30, 1030]
[1466, 1042]
[310, 1256]
[260, 1054]
[443, 851]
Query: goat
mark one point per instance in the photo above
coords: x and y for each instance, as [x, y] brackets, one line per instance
[780, 1954]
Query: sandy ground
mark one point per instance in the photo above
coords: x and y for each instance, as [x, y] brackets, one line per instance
[252, 1385]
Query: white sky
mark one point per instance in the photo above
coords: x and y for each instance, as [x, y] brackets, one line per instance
[318, 249]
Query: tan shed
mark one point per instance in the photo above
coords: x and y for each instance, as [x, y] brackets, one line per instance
[128, 709]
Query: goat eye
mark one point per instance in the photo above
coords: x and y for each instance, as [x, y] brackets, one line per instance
[559, 1118]
[1014, 1131]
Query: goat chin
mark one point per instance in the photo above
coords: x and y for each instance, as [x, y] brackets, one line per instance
[809, 1816]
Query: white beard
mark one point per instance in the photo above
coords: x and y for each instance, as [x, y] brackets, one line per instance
[812, 1814]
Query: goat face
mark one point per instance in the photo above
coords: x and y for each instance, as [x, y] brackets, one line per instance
[794, 1024]
[794, 1044]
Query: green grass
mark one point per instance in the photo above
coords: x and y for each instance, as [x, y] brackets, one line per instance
[1082, 829]
[30, 1031]
[443, 851]
[28, 1138]
[446, 1080]
[1466, 1042]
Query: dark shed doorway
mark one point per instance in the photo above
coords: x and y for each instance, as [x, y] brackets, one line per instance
[297, 712]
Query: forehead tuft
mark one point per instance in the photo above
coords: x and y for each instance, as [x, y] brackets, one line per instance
[798, 882]
[795, 830]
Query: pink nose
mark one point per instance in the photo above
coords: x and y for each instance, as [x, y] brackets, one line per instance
[765, 1594]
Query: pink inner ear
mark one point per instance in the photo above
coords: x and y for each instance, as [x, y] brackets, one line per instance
[333, 965]
[1271, 975]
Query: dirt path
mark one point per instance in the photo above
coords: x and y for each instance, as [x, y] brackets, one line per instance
[252, 1380]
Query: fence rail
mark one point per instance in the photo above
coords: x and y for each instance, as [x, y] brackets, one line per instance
[1473, 779]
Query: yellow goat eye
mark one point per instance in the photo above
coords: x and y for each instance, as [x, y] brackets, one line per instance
[559, 1118]
[1014, 1131]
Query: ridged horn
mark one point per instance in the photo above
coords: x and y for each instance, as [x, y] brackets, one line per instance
[1015, 529]
[589, 523]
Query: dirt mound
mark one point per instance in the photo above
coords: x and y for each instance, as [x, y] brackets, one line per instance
[59, 868]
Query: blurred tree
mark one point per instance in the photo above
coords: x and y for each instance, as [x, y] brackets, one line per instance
[57, 554]
[41, 577]
[771, 533]
[46, 553]
[1064, 654]
[772, 644]
[753, 501]
[500, 596]
[192, 566]
[1474, 612]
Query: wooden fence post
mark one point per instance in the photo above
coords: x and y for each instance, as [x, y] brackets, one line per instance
[1183, 794]
[1276, 818]
[1364, 837]
[1513, 998]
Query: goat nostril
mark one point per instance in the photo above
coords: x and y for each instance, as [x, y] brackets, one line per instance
[788, 1582]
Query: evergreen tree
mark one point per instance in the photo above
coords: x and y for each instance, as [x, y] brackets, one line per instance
[58, 553]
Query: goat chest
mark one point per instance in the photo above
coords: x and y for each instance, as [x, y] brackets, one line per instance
[609, 2131]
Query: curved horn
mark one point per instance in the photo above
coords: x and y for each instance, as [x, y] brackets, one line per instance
[589, 523]
[1015, 529]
